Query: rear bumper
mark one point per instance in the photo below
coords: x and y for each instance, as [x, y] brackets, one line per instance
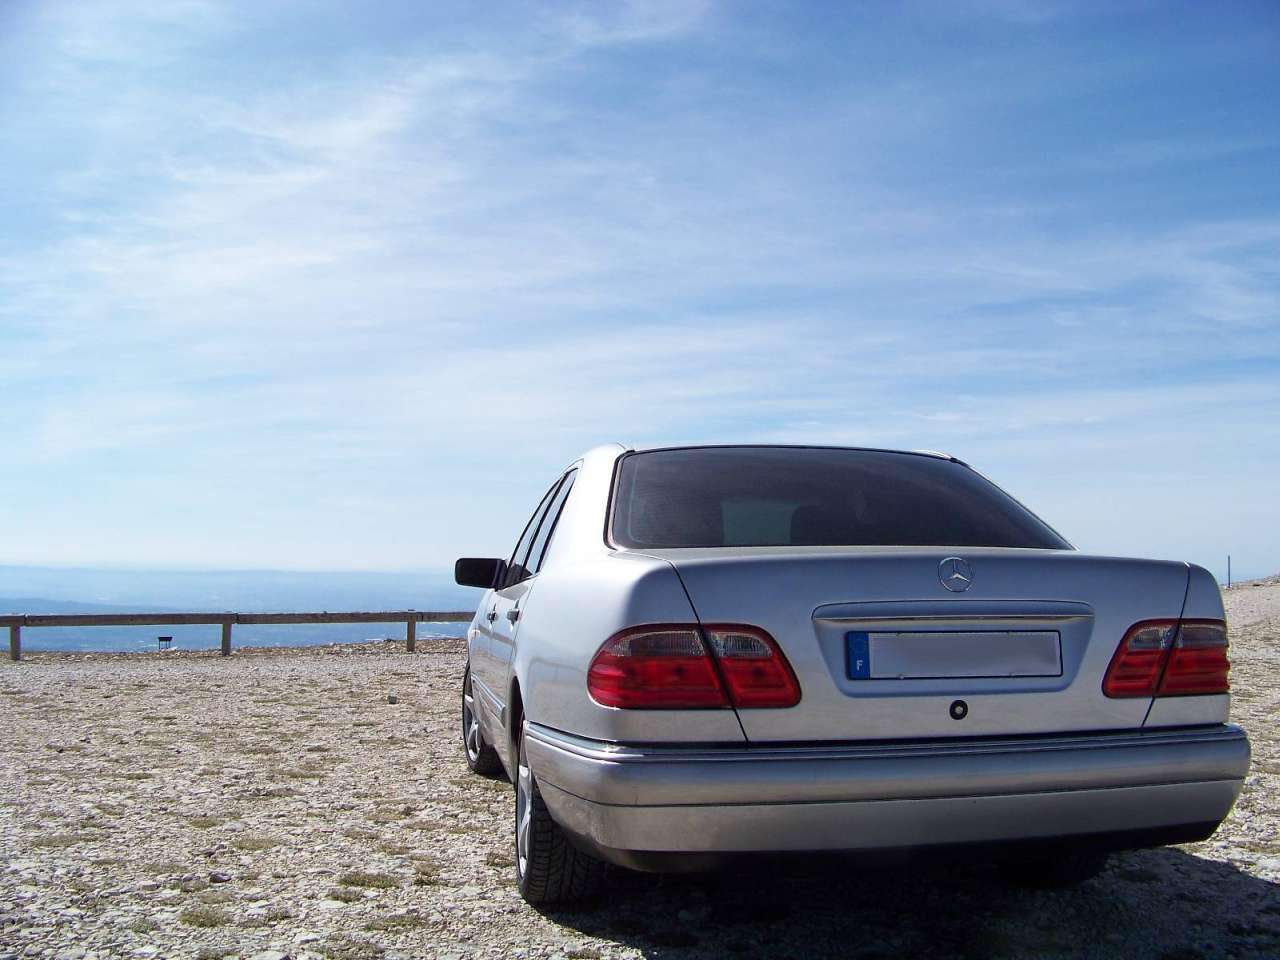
[1131, 788]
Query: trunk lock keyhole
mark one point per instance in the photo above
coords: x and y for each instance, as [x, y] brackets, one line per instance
[959, 710]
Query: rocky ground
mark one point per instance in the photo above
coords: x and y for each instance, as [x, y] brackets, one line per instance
[314, 804]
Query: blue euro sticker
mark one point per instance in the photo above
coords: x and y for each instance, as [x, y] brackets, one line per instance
[859, 648]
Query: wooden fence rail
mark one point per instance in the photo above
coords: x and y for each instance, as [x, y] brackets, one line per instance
[410, 618]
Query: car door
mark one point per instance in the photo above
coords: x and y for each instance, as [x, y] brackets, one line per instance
[512, 599]
[497, 624]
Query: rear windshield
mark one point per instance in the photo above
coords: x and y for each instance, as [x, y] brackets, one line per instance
[781, 496]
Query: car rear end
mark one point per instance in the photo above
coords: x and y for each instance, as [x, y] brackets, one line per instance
[912, 658]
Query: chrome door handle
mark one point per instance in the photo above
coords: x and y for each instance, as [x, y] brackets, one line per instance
[513, 614]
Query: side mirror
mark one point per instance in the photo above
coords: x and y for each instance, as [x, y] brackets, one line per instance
[479, 571]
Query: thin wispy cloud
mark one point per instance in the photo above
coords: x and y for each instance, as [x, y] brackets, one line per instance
[344, 290]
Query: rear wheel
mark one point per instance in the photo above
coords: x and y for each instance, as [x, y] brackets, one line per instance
[1052, 870]
[481, 757]
[549, 868]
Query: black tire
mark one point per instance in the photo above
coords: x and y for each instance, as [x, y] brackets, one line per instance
[481, 758]
[1053, 870]
[549, 868]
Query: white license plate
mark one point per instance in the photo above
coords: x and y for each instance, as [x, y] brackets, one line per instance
[945, 654]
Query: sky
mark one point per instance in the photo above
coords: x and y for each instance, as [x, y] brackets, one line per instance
[343, 286]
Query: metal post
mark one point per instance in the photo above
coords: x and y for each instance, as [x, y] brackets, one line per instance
[1228, 571]
[226, 638]
[411, 636]
[15, 642]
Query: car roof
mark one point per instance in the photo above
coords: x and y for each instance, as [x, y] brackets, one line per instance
[794, 446]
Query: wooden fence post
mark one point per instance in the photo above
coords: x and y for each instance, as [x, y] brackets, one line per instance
[411, 636]
[15, 642]
[226, 638]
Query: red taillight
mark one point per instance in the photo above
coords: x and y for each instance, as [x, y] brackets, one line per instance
[1135, 667]
[1167, 658]
[655, 667]
[1197, 661]
[754, 669]
[679, 667]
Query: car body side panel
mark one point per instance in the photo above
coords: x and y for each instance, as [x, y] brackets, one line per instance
[570, 613]
[584, 594]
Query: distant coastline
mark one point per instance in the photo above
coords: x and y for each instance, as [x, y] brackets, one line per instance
[34, 590]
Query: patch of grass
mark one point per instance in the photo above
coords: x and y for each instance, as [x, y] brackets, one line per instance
[496, 859]
[316, 748]
[396, 921]
[458, 827]
[142, 925]
[345, 895]
[60, 841]
[259, 750]
[251, 843]
[193, 884]
[349, 948]
[426, 872]
[394, 849]
[205, 823]
[138, 775]
[204, 915]
[268, 793]
[360, 833]
[368, 879]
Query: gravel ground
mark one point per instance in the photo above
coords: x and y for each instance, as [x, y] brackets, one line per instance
[314, 804]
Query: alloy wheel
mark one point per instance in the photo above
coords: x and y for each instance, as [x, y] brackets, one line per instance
[470, 725]
[524, 814]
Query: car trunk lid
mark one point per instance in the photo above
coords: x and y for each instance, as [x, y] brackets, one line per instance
[884, 648]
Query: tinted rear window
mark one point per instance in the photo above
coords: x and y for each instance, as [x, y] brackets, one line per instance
[774, 496]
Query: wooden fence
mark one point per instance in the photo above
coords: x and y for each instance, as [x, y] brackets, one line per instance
[410, 618]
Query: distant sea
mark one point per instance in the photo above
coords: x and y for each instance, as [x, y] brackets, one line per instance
[33, 590]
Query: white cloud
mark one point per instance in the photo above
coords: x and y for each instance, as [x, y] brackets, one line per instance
[345, 291]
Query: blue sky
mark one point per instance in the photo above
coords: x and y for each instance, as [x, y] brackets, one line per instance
[342, 286]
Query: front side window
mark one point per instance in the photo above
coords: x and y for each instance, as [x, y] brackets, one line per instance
[809, 496]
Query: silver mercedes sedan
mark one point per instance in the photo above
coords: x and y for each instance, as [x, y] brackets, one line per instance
[700, 652]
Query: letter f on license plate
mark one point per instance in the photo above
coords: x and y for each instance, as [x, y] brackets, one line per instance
[859, 653]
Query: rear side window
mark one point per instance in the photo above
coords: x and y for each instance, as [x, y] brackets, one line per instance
[538, 552]
[516, 569]
[789, 496]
